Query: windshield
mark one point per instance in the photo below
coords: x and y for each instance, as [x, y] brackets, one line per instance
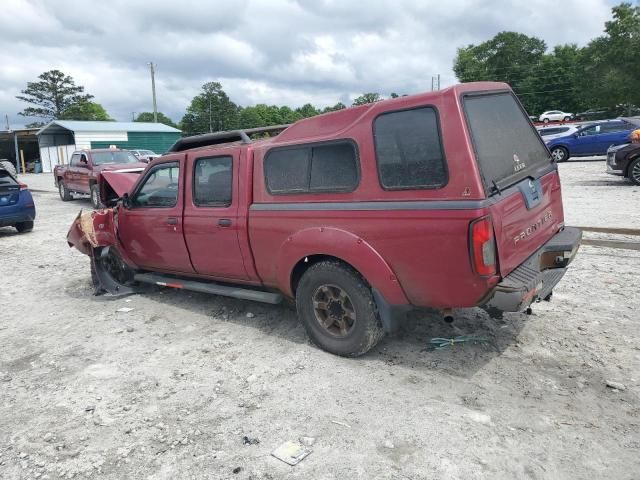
[507, 146]
[118, 156]
[146, 152]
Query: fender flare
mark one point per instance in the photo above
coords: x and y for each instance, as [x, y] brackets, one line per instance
[345, 246]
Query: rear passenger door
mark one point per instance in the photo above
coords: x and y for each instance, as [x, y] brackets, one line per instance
[211, 223]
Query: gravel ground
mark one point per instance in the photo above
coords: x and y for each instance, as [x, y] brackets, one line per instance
[171, 388]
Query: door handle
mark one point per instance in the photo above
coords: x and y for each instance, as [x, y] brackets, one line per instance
[224, 222]
[172, 221]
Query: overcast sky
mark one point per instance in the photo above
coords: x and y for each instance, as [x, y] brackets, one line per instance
[272, 51]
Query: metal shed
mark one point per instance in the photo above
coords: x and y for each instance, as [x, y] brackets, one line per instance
[60, 138]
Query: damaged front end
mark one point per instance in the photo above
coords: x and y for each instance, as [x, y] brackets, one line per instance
[94, 234]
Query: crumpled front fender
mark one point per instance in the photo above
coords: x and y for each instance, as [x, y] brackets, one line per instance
[92, 229]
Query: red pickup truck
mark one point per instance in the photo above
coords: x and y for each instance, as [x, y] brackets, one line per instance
[82, 175]
[441, 200]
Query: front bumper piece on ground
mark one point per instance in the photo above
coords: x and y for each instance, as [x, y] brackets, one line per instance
[535, 278]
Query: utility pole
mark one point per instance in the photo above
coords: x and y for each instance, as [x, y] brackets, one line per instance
[133, 116]
[6, 117]
[153, 91]
[210, 124]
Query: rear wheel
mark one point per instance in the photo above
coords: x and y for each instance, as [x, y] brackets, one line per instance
[337, 309]
[560, 154]
[634, 171]
[23, 227]
[95, 197]
[65, 195]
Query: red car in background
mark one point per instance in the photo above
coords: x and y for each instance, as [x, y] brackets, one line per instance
[83, 173]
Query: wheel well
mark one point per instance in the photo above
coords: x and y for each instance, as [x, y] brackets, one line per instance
[304, 264]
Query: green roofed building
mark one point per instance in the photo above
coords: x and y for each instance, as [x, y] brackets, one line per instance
[60, 138]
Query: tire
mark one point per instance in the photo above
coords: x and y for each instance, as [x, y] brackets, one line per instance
[65, 195]
[9, 167]
[335, 294]
[560, 154]
[633, 173]
[95, 197]
[566, 119]
[24, 227]
[546, 120]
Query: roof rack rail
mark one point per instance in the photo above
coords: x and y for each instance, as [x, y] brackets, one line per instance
[217, 138]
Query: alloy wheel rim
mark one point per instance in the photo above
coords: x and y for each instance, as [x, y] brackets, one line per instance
[334, 310]
[636, 172]
[558, 154]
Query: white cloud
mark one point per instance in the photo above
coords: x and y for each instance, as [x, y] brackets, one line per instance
[268, 51]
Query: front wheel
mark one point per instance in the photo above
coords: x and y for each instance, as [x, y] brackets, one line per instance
[560, 154]
[546, 120]
[65, 195]
[634, 171]
[95, 197]
[337, 309]
[566, 119]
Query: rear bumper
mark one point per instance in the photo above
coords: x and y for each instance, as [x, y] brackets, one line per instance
[535, 278]
[27, 215]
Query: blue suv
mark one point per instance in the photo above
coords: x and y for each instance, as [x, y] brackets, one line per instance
[16, 203]
[590, 140]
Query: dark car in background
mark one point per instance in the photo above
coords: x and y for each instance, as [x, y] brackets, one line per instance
[590, 140]
[624, 159]
[16, 203]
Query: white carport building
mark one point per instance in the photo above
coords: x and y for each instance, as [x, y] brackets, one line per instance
[60, 138]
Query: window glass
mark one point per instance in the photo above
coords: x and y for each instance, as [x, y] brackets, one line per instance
[593, 130]
[507, 146]
[75, 160]
[115, 156]
[212, 181]
[160, 188]
[287, 170]
[615, 127]
[333, 167]
[408, 149]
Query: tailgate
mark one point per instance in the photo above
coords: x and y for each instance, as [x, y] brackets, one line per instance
[518, 174]
[525, 217]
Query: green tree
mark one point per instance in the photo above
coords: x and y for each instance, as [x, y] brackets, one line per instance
[334, 108]
[611, 67]
[52, 95]
[307, 110]
[367, 98]
[509, 57]
[85, 110]
[162, 118]
[210, 111]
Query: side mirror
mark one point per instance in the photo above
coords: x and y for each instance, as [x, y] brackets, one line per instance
[126, 201]
[576, 135]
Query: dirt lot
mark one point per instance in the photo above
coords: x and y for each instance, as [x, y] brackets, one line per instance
[169, 389]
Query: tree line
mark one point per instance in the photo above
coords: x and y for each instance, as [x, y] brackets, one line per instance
[603, 74]
[55, 96]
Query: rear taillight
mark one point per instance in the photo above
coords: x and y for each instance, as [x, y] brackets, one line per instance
[23, 186]
[483, 246]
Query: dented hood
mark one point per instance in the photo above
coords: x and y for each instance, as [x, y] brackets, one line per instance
[121, 181]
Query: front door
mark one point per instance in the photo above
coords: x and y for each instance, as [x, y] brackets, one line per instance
[586, 143]
[211, 222]
[151, 229]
